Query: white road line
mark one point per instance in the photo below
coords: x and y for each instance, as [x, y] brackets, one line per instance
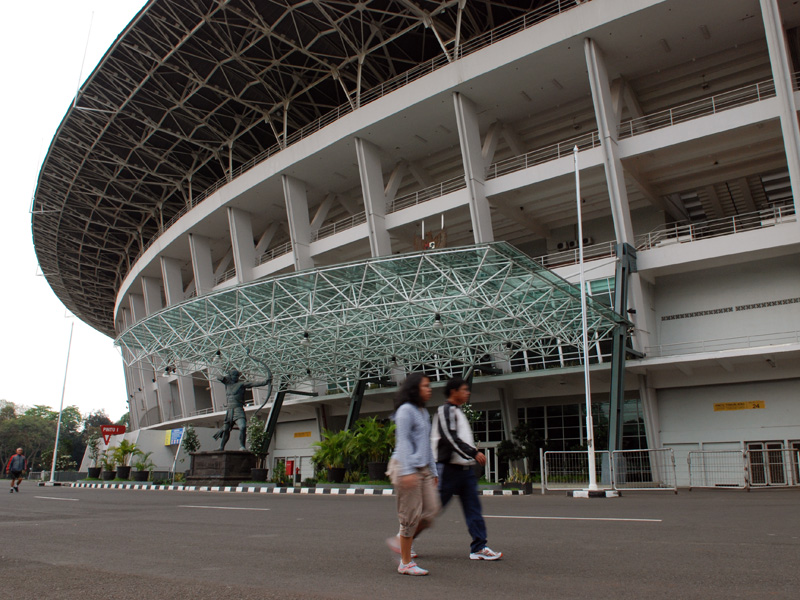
[54, 498]
[221, 507]
[572, 518]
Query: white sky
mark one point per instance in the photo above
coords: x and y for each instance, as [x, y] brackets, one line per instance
[43, 44]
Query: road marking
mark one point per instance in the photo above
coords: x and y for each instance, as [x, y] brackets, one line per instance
[54, 498]
[221, 507]
[572, 518]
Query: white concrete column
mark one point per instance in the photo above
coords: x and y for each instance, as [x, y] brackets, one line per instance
[369, 168]
[244, 249]
[138, 311]
[474, 168]
[652, 424]
[784, 89]
[606, 125]
[294, 192]
[202, 264]
[186, 391]
[151, 290]
[173, 280]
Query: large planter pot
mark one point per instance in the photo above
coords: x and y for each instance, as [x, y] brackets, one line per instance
[376, 470]
[123, 472]
[336, 474]
[109, 475]
[93, 472]
[141, 475]
[258, 474]
[525, 488]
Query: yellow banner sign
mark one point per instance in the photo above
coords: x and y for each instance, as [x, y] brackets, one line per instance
[740, 405]
[302, 434]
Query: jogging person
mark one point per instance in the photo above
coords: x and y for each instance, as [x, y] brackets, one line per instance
[17, 465]
[454, 446]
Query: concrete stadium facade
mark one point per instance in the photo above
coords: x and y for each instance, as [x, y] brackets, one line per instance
[685, 117]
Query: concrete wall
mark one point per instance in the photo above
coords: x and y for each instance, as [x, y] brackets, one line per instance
[726, 288]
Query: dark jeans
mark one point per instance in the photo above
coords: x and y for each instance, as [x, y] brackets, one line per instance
[455, 480]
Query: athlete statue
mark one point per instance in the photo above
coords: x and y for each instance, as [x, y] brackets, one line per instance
[234, 396]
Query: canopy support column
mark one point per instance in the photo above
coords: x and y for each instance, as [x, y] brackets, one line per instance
[626, 264]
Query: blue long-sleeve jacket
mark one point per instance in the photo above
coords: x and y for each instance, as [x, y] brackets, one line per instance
[412, 448]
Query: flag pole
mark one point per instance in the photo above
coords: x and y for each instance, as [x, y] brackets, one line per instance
[61, 408]
[585, 346]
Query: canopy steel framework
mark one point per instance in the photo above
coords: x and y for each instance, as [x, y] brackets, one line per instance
[438, 310]
[193, 89]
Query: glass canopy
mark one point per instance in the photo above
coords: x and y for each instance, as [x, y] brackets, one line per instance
[442, 310]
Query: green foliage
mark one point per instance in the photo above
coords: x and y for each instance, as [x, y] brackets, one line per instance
[279, 476]
[352, 477]
[526, 444]
[258, 441]
[31, 433]
[109, 459]
[373, 440]
[64, 462]
[125, 420]
[8, 410]
[93, 445]
[517, 476]
[190, 441]
[470, 412]
[144, 463]
[124, 451]
[334, 450]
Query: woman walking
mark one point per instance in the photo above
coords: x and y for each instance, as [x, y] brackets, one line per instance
[412, 469]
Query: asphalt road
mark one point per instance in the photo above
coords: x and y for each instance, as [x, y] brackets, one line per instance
[84, 544]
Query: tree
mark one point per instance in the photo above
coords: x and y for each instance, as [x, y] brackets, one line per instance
[42, 412]
[125, 420]
[31, 433]
[8, 410]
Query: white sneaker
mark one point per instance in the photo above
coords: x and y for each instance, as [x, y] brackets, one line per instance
[485, 554]
[411, 569]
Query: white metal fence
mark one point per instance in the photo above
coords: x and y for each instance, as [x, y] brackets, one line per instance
[646, 469]
[649, 469]
[718, 469]
[569, 470]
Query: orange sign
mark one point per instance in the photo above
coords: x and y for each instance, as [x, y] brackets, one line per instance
[750, 405]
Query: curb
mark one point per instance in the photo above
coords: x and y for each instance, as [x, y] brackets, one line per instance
[269, 490]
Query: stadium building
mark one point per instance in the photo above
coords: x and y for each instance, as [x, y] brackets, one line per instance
[354, 190]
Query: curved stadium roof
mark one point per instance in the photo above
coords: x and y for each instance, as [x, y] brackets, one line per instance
[189, 82]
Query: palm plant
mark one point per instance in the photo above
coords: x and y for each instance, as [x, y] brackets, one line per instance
[374, 440]
[144, 463]
[124, 451]
[334, 449]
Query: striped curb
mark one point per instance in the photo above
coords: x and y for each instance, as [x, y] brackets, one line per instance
[269, 490]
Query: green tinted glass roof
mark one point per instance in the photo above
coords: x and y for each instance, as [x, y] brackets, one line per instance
[436, 309]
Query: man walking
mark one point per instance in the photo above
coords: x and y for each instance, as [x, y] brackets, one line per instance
[456, 455]
[17, 465]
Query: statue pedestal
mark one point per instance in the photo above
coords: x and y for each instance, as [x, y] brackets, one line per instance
[220, 467]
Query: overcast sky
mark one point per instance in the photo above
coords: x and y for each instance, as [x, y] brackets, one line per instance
[43, 44]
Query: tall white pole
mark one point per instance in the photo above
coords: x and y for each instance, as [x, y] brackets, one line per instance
[587, 384]
[61, 408]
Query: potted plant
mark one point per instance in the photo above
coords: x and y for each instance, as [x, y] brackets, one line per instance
[332, 453]
[122, 453]
[144, 467]
[258, 440]
[373, 442]
[93, 445]
[109, 463]
[519, 480]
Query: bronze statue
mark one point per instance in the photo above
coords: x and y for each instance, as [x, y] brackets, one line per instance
[234, 395]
